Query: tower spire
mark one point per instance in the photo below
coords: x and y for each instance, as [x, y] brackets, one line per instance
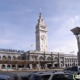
[40, 20]
[40, 16]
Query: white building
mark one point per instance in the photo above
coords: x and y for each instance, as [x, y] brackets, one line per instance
[39, 58]
[41, 53]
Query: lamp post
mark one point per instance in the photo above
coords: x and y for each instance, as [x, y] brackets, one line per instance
[44, 56]
[58, 60]
[44, 59]
[72, 58]
[76, 32]
[51, 59]
[39, 65]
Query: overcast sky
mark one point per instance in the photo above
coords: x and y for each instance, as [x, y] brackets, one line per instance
[18, 19]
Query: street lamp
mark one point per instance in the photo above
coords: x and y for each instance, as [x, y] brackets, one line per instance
[58, 60]
[72, 58]
[51, 59]
[76, 32]
[44, 56]
[39, 64]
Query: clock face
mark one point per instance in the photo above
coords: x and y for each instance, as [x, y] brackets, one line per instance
[43, 37]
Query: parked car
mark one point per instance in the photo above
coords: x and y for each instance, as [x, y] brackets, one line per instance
[73, 69]
[69, 68]
[4, 77]
[60, 75]
[26, 77]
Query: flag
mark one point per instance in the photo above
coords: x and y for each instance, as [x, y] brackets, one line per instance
[72, 52]
[32, 45]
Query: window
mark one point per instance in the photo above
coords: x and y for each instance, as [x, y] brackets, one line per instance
[4, 58]
[58, 77]
[79, 69]
[3, 79]
[14, 58]
[39, 77]
[43, 27]
[49, 58]
[74, 68]
[9, 57]
[44, 77]
[68, 76]
[62, 77]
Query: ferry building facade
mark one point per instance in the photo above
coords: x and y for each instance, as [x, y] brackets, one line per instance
[40, 58]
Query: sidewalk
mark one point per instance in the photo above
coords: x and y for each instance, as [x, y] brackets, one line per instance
[31, 70]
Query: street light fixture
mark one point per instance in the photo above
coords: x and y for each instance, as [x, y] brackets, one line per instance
[52, 59]
[59, 57]
[58, 60]
[72, 58]
[76, 32]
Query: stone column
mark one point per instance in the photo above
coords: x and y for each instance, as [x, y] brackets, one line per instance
[59, 60]
[0, 66]
[6, 67]
[11, 66]
[16, 66]
[63, 61]
[24, 66]
[30, 66]
[45, 66]
[52, 60]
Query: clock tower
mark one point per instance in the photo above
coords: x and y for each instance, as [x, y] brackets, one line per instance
[41, 35]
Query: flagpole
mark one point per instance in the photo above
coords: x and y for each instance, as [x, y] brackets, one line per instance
[72, 57]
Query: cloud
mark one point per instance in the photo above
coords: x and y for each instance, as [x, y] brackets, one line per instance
[62, 37]
[65, 46]
[18, 20]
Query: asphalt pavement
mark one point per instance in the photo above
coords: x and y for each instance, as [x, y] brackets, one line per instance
[19, 73]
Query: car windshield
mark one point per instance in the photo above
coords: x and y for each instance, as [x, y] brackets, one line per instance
[26, 77]
[68, 76]
[3, 79]
[39, 77]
